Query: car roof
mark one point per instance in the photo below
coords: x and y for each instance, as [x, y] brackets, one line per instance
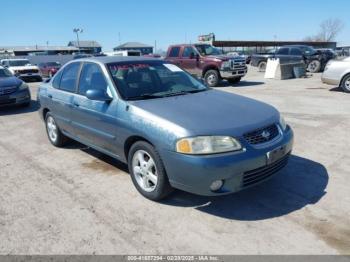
[117, 59]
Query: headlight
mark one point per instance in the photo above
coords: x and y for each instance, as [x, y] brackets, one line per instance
[283, 123]
[202, 145]
[226, 64]
[23, 86]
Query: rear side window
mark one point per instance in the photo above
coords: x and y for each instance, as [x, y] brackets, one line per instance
[92, 77]
[295, 51]
[69, 77]
[174, 52]
[283, 51]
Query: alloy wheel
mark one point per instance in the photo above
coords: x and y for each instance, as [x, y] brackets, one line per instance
[51, 128]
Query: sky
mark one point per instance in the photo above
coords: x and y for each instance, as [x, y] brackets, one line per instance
[111, 22]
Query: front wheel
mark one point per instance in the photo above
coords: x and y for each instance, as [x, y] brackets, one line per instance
[345, 84]
[314, 66]
[212, 78]
[147, 171]
[234, 80]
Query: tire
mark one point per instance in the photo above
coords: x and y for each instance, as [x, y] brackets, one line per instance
[212, 77]
[262, 66]
[59, 139]
[234, 80]
[39, 79]
[314, 66]
[147, 171]
[345, 83]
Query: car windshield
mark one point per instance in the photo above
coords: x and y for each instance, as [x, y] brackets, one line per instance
[5, 72]
[18, 62]
[205, 50]
[152, 79]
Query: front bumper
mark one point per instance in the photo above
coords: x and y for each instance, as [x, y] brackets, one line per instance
[233, 73]
[238, 170]
[17, 98]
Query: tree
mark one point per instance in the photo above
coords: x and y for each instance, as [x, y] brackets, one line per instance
[329, 30]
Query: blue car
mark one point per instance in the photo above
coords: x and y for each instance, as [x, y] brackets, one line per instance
[13, 91]
[171, 130]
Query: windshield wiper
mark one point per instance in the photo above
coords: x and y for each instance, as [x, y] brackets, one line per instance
[144, 96]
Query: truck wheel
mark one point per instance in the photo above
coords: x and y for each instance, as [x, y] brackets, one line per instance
[345, 84]
[314, 66]
[234, 80]
[212, 78]
[262, 66]
[147, 171]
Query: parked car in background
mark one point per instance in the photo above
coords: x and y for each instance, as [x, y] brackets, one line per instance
[49, 69]
[204, 60]
[314, 60]
[13, 91]
[22, 68]
[337, 72]
[124, 53]
[171, 130]
[81, 55]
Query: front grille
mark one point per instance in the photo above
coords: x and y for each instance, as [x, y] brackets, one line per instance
[257, 175]
[28, 71]
[7, 101]
[7, 90]
[262, 135]
[238, 64]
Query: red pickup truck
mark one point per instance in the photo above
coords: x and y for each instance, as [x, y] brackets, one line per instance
[204, 60]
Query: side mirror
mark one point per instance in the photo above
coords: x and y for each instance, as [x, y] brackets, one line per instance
[197, 57]
[192, 56]
[98, 95]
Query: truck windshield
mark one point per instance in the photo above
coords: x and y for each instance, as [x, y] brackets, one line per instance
[19, 62]
[205, 50]
[152, 79]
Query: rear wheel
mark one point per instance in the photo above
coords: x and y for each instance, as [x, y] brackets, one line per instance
[147, 171]
[53, 132]
[314, 66]
[262, 66]
[345, 84]
[234, 80]
[212, 77]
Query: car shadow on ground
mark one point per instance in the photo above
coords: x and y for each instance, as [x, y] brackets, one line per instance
[15, 110]
[302, 182]
[241, 84]
[336, 89]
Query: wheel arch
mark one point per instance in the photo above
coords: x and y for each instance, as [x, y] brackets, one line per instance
[132, 140]
[210, 67]
[346, 74]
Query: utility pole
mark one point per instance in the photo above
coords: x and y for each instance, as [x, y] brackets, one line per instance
[155, 47]
[77, 31]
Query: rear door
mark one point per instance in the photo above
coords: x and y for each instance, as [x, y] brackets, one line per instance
[283, 54]
[62, 94]
[95, 121]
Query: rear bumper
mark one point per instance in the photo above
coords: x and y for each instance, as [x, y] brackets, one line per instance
[238, 170]
[17, 98]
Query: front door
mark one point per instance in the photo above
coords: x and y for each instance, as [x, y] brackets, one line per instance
[190, 61]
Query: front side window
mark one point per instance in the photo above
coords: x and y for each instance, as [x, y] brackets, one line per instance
[174, 52]
[69, 77]
[92, 77]
[152, 79]
[187, 52]
[283, 51]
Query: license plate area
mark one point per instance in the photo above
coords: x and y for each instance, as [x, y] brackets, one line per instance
[276, 154]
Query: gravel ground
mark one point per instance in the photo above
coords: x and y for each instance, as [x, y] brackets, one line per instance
[78, 201]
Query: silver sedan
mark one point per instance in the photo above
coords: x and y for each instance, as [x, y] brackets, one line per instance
[338, 73]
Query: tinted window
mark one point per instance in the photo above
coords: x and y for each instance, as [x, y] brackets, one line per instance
[69, 77]
[187, 51]
[56, 81]
[174, 52]
[295, 51]
[91, 77]
[283, 51]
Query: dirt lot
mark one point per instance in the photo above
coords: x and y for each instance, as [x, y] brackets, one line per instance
[77, 201]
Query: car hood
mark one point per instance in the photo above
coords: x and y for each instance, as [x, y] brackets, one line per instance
[210, 113]
[9, 81]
